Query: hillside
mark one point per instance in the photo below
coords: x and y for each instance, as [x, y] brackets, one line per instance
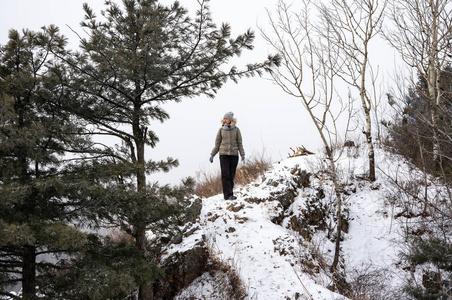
[277, 237]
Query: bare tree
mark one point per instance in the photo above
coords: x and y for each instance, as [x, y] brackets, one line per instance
[422, 34]
[308, 73]
[354, 24]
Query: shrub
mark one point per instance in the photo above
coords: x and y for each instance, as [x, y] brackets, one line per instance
[210, 184]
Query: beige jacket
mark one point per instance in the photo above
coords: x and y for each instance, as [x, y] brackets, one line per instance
[229, 142]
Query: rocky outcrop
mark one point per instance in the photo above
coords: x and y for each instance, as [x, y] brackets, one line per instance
[180, 268]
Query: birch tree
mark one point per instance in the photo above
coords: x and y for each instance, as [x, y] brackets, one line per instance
[308, 73]
[354, 24]
[422, 34]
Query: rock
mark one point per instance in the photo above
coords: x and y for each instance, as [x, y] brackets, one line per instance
[180, 269]
[349, 144]
[235, 207]
[193, 211]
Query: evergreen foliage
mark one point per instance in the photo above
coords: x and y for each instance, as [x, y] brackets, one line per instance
[108, 269]
[58, 187]
[53, 179]
[436, 256]
[134, 60]
[36, 208]
[412, 133]
[412, 136]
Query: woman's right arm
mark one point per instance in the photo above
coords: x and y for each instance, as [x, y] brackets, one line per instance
[217, 143]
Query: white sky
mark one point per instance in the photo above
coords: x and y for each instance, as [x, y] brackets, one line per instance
[270, 120]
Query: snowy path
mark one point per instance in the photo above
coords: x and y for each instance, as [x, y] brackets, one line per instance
[263, 253]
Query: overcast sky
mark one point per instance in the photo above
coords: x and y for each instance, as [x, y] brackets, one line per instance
[270, 121]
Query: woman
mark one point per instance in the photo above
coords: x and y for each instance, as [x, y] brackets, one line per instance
[229, 143]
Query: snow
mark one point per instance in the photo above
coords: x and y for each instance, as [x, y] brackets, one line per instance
[267, 256]
[251, 249]
[275, 262]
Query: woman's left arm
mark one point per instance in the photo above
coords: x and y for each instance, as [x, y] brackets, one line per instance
[240, 144]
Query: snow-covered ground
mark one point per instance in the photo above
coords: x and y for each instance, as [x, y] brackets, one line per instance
[267, 256]
[255, 235]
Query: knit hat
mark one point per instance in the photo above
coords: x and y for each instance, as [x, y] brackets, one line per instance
[229, 116]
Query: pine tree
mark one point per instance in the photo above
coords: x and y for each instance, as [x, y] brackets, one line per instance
[412, 134]
[413, 137]
[436, 257]
[136, 59]
[36, 211]
[53, 184]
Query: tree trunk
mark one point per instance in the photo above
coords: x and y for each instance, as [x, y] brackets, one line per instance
[338, 211]
[370, 148]
[29, 251]
[29, 273]
[145, 290]
[432, 83]
[367, 107]
[432, 78]
[337, 248]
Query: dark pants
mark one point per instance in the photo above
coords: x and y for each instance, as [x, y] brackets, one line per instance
[228, 164]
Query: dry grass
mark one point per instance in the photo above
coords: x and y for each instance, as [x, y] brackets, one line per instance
[210, 184]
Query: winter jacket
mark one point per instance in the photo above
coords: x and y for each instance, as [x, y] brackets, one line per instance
[228, 141]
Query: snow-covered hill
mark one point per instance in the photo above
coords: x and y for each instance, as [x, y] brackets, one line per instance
[278, 235]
